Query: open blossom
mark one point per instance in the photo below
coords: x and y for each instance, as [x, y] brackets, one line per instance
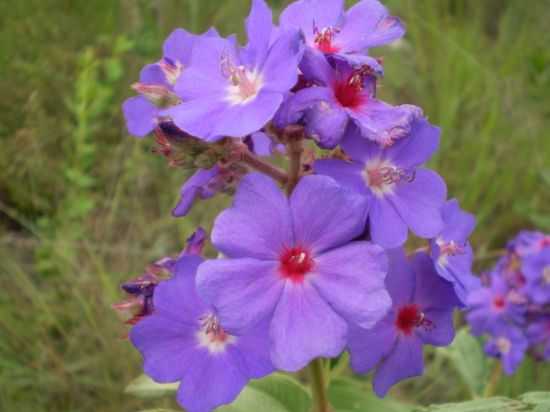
[508, 343]
[184, 341]
[156, 83]
[528, 243]
[291, 262]
[493, 306]
[329, 29]
[421, 313]
[344, 96]
[233, 91]
[402, 194]
[451, 251]
[536, 269]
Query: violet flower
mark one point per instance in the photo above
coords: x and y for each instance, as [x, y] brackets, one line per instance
[156, 83]
[291, 262]
[184, 341]
[507, 343]
[234, 91]
[451, 251]
[493, 306]
[402, 194]
[538, 333]
[329, 29]
[422, 313]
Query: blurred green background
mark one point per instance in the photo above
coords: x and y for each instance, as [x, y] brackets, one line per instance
[84, 206]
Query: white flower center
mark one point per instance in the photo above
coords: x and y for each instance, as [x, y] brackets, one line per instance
[381, 176]
[212, 336]
[504, 345]
[546, 274]
[244, 85]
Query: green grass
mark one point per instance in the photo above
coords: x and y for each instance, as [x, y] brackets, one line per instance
[83, 206]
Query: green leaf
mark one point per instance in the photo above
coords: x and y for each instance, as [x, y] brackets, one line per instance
[535, 398]
[498, 404]
[275, 393]
[348, 395]
[145, 387]
[469, 361]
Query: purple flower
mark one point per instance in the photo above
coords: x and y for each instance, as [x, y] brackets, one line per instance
[493, 306]
[345, 96]
[538, 333]
[509, 344]
[156, 84]
[422, 313]
[536, 269]
[528, 243]
[291, 262]
[184, 341]
[452, 252]
[328, 29]
[233, 91]
[402, 194]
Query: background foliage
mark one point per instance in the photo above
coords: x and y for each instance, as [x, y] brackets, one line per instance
[83, 206]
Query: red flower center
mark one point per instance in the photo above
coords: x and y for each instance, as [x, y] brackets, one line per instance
[410, 317]
[499, 302]
[323, 39]
[349, 93]
[295, 263]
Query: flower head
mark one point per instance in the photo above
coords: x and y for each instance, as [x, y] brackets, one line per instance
[508, 343]
[421, 313]
[538, 333]
[291, 262]
[536, 269]
[329, 29]
[451, 251]
[226, 82]
[183, 340]
[402, 194]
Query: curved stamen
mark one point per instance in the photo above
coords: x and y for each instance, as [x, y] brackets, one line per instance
[324, 38]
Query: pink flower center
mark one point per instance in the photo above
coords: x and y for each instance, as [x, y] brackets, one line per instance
[212, 330]
[381, 175]
[244, 85]
[451, 248]
[295, 264]
[324, 39]
[410, 317]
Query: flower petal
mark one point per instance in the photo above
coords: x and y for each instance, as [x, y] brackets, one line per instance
[326, 215]
[346, 173]
[303, 328]
[258, 224]
[140, 116]
[351, 280]
[367, 347]
[307, 14]
[243, 291]
[280, 69]
[442, 331]
[417, 148]
[259, 24]
[387, 228]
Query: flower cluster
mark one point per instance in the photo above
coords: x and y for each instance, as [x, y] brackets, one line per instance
[312, 258]
[513, 304]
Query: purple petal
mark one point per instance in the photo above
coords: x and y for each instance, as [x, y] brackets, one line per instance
[258, 225]
[280, 69]
[401, 281]
[256, 349]
[294, 106]
[441, 331]
[153, 74]
[359, 148]
[459, 225]
[307, 14]
[368, 347]
[432, 292]
[351, 280]
[178, 46]
[315, 67]
[252, 116]
[346, 173]
[405, 361]
[416, 149]
[326, 124]
[419, 203]
[211, 381]
[259, 24]
[387, 228]
[197, 117]
[325, 215]
[367, 24]
[140, 116]
[295, 342]
[261, 144]
[231, 285]
[195, 187]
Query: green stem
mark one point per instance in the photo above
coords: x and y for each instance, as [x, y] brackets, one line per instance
[295, 148]
[318, 386]
[261, 166]
[491, 387]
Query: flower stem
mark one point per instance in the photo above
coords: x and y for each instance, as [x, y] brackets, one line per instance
[318, 386]
[491, 387]
[267, 168]
[295, 149]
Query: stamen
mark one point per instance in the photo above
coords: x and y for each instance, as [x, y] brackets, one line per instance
[157, 94]
[324, 37]
[244, 84]
[381, 176]
[172, 70]
[546, 275]
[450, 248]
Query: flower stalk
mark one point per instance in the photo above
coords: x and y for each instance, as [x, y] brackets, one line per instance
[319, 386]
[264, 167]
